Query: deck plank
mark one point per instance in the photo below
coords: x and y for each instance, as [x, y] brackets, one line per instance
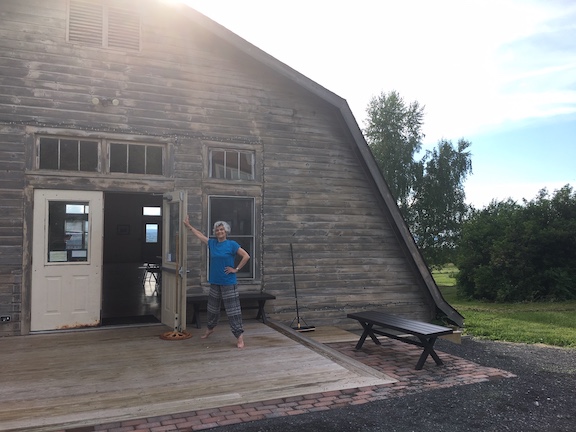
[81, 378]
[331, 334]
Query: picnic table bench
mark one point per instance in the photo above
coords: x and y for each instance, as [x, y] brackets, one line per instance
[374, 321]
[247, 301]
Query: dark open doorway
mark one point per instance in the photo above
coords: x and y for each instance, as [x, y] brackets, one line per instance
[131, 282]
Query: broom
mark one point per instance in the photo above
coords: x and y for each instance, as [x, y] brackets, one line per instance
[298, 327]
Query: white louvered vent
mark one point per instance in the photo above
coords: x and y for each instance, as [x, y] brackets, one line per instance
[97, 24]
[85, 23]
[123, 29]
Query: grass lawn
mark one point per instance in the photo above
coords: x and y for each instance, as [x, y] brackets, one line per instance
[547, 323]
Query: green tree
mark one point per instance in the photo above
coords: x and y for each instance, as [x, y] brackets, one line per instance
[430, 191]
[438, 207]
[480, 235]
[394, 133]
[512, 252]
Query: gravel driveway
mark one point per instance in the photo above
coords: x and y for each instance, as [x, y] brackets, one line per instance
[541, 398]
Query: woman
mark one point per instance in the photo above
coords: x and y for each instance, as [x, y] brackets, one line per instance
[222, 278]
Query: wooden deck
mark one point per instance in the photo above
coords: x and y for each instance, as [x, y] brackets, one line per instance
[64, 380]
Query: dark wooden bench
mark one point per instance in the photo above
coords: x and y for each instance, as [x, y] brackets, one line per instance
[248, 300]
[374, 321]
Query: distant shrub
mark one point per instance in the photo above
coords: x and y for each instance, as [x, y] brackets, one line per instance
[510, 252]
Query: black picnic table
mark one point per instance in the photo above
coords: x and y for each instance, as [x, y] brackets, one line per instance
[374, 321]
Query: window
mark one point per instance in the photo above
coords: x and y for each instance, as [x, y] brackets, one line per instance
[68, 232]
[152, 211]
[231, 164]
[136, 158]
[239, 213]
[151, 249]
[152, 230]
[102, 25]
[68, 154]
[85, 155]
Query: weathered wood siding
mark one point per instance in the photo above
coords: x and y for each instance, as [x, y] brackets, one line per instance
[318, 197]
[188, 88]
[11, 225]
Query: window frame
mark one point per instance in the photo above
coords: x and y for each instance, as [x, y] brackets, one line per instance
[134, 145]
[59, 156]
[59, 247]
[103, 155]
[248, 272]
[228, 150]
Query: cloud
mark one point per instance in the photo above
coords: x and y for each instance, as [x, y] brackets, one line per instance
[484, 70]
[529, 72]
[475, 65]
[484, 193]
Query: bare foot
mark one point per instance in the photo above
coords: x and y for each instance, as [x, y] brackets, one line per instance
[240, 342]
[208, 333]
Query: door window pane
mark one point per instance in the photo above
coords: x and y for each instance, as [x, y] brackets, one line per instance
[173, 232]
[151, 233]
[68, 238]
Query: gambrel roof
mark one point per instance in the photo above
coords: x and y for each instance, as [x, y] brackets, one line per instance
[399, 225]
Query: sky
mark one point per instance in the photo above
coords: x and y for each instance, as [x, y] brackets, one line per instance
[498, 73]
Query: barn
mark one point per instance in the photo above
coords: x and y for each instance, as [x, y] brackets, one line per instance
[120, 117]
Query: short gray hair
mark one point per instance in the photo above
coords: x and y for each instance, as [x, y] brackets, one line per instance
[221, 223]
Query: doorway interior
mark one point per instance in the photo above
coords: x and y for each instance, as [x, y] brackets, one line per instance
[132, 258]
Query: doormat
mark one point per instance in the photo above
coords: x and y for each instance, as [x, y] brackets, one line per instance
[138, 319]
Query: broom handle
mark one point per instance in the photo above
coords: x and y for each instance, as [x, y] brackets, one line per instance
[294, 279]
[176, 315]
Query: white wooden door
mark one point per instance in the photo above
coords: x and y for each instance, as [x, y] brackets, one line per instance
[174, 258]
[66, 259]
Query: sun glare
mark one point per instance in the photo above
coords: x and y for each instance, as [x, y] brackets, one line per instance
[172, 2]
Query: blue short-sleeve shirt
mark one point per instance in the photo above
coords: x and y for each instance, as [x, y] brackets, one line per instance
[222, 255]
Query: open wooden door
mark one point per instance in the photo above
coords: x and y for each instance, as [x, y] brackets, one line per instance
[174, 258]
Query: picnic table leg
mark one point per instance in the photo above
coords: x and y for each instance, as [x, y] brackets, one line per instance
[428, 345]
[367, 331]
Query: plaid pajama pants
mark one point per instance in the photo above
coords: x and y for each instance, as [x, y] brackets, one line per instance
[229, 295]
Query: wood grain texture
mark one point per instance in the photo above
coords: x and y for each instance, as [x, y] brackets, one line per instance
[58, 381]
[189, 89]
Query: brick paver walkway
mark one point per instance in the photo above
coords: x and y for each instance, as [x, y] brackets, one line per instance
[395, 359]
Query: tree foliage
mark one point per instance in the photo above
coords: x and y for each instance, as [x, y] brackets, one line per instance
[394, 133]
[438, 207]
[429, 191]
[511, 252]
